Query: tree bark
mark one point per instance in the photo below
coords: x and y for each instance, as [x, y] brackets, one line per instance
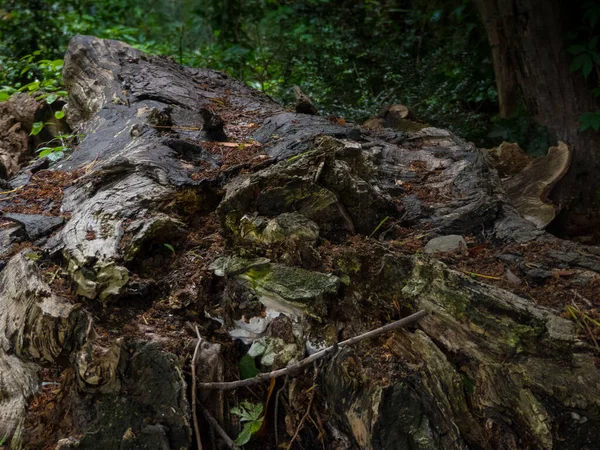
[528, 45]
[298, 233]
[506, 81]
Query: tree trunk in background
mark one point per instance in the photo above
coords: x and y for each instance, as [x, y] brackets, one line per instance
[506, 82]
[528, 37]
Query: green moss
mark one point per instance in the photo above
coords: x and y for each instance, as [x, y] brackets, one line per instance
[349, 263]
[231, 222]
[408, 126]
[296, 157]
[189, 201]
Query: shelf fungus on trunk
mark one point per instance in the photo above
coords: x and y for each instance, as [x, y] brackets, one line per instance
[529, 190]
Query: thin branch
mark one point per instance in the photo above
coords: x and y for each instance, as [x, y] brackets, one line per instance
[277, 409]
[227, 385]
[310, 403]
[220, 431]
[194, 394]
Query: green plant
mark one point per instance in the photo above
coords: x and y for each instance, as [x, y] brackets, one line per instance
[584, 322]
[252, 415]
[248, 367]
[586, 58]
[54, 152]
[590, 120]
[170, 247]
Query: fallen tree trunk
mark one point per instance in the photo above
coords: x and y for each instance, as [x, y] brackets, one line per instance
[292, 235]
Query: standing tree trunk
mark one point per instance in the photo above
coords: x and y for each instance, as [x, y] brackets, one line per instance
[529, 46]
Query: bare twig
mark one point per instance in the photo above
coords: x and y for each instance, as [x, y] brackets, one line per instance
[213, 423]
[277, 409]
[194, 394]
[320, 427]
[227, 385]
[307, 413]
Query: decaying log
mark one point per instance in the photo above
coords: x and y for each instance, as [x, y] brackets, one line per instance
[304, 104]
[529, 190]
[315, 356]
[293, 235]
[36, 328]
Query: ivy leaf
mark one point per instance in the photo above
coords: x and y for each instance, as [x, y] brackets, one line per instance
[588, 65]
[51, 98]
[248, 367]
[576, 49]
[59, 114]
[590, 120]
[36, 128]
[580, 61]
[55, 156]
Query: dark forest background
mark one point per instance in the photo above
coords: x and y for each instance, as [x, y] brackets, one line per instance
[351, 57]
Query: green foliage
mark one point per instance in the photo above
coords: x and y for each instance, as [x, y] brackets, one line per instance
[55, 149]
[351, 57]
[36, 128]
[590, 120]
[586, 58]
[251, 414]
[523, 129]
[170, 247]
[248, 367]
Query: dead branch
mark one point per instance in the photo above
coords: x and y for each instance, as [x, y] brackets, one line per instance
[310, 403]
[220, 431]
[227, 385]
[194, 394]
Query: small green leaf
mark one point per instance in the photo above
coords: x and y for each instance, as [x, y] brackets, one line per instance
[595, 122]
[33, 86]
[4, 96]
[59, 114]
[51, 98]
[587, 67]
[36, 128]
[248, 367]
[33, 256]
[55, 156]
[579, 61]
[576, 49]
[590, 120]
[57, 64]
[244, 435]
[170, 247]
